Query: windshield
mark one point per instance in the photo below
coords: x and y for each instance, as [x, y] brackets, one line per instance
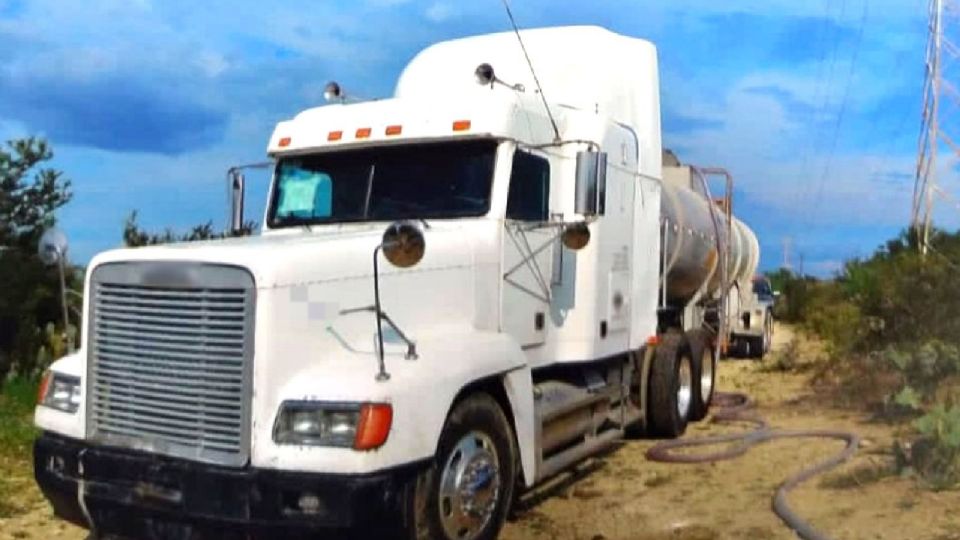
[434, 180]
[761, 287]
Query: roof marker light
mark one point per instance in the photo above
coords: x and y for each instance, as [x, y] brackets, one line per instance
[334, 135]
[394, 130]
[363, 133]
[461, 125]
[285, 141]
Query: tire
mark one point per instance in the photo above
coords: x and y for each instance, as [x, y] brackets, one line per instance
[476, 440]
[703, 355]
[761, 345]
[768, 332]
[669, 409]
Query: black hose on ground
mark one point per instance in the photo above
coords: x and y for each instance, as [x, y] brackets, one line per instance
[730, 408]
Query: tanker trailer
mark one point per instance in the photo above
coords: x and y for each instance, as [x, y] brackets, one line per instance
[709, 258]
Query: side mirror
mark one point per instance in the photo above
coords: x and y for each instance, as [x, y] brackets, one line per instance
[403, 244]
[237, 189]
[576, 236]
[591, 183]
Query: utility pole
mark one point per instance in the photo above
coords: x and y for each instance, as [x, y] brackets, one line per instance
[941, 99]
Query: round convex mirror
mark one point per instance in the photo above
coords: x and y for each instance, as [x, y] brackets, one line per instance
[576, 236]
[403, 244]
[52, 246]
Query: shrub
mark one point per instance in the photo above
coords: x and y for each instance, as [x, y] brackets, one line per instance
[890, 326]
[923, 368]
[935, 456]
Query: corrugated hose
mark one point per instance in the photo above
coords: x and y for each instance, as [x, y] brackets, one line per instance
[735, 408]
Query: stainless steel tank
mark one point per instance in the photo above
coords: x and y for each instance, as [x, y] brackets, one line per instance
[692, 226]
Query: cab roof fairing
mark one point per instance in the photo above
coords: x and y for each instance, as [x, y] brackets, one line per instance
[494, 113]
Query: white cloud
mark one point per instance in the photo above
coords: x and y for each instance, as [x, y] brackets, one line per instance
[212, 63]
[439, 12]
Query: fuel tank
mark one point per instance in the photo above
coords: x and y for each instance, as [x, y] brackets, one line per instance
[693, 224]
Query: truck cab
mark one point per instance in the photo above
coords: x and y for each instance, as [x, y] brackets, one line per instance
[454, 295]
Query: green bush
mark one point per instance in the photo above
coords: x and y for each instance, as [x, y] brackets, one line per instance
[890, 325]
[924, 367]
[935, 456]
[838, 321]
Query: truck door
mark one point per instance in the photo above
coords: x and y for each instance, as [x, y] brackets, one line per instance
[616, 253]
[527, 251]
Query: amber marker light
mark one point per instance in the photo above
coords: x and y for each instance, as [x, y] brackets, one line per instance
[461, 125]
[285, 141]
[374, 426]
[44, 386]
[363, 133]
[394, 130]
[334, 135]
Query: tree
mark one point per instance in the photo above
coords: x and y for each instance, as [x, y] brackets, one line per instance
[27, 206]
[134, 236]
[29, 292]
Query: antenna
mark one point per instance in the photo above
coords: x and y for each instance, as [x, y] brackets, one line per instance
[556, 131]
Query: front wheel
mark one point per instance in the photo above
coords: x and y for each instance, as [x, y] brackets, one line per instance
[468, 489]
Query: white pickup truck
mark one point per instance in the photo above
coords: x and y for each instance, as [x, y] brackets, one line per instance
[456, 293]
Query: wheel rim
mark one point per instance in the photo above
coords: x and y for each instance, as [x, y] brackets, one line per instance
[706, 376]
[469, 487]
[685, 388]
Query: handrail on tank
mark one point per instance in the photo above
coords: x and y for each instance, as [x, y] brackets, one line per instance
[725, 250]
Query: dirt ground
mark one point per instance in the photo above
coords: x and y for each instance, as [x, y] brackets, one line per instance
[621, 495]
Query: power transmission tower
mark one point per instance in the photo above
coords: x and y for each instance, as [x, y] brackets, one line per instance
[787, 256]
[941, 99]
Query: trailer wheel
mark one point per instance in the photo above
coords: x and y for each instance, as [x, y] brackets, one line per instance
[704, 357]
[468, 489]
[670, 387]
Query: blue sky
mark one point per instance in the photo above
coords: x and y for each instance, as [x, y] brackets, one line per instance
[812, 104]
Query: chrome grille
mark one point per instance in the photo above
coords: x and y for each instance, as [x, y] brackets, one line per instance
[170, 359]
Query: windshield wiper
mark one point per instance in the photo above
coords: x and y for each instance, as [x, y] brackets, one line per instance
[369, 195]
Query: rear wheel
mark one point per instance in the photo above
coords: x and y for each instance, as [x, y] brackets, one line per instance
[670, 387]
[467, 491]
[704, 357]
[761, 345]
[768, 332]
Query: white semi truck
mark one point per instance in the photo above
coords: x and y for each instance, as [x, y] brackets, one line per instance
[456, 293]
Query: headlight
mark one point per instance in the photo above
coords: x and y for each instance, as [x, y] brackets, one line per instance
[352, 425]
[59, 391]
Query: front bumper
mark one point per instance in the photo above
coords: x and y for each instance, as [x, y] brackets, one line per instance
[145, 496]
